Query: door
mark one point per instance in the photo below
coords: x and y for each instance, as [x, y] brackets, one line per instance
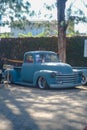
[28, 68]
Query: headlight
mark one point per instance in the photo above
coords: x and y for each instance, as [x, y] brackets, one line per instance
[80, 73]
[53, 74]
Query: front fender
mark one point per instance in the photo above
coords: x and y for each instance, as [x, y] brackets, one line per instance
[42, 73]
[82, 69]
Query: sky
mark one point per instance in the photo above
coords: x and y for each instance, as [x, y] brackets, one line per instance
[39, 6]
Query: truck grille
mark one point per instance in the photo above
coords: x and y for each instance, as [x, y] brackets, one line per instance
[68, 78]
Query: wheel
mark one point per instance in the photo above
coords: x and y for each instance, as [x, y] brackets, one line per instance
[42, 83]
[84, 81]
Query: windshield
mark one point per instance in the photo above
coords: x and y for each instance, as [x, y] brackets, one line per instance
[50, 57]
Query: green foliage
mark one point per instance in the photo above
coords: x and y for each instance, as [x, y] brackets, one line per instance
[40, 35]
[76, 14]
[15, 10]
[43, 34]
[5, 35]
[25, 35]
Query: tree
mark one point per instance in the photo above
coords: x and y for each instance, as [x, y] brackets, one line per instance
[61, 29]
[77, 16]
[14, 10]
[62, 26]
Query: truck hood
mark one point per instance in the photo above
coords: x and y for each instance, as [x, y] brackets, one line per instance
[61, 68]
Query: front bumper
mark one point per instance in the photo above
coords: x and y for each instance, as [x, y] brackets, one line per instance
[64, 85]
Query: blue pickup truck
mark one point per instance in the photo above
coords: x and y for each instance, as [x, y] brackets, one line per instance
[44, 70]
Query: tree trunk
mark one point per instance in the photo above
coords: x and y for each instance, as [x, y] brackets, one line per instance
[61, 29]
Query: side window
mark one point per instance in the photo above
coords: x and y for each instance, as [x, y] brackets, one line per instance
[29, 58]
[38, 58]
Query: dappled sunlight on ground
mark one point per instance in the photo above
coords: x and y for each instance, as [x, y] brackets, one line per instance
[24, 108]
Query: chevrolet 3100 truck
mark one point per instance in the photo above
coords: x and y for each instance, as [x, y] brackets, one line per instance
[43, 69]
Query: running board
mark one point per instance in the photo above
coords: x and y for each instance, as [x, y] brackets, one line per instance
[24, 83]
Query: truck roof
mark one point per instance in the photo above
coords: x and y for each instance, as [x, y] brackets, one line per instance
[33, 52]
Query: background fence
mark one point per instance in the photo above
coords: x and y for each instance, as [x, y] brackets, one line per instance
[14, 48]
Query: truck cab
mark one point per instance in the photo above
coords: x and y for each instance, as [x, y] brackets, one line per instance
[43, 69]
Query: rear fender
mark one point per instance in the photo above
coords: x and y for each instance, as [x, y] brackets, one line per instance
[12, 73]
